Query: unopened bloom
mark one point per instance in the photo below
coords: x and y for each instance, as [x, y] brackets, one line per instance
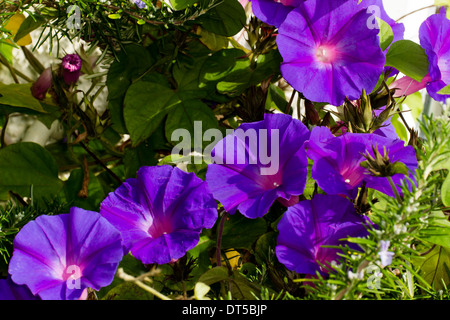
[307, 227]
[259, 163]
[329, 53]
[434, 33]
[160, 213]
[41, 86]
[337, 161]
[71, 68]
[59, 256]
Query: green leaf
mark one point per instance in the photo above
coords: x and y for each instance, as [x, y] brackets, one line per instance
[445, 90]
[32, 22]
[141, 118]
[6, 51]
[409, 58]
[399, 127]
[25, 166]
[133, 61]
[19, 95]
[415, 104]
[240, 232]
[226, 19]
[386, 34]
[181, 4]
[114, 16]
[435, 267]
[184, 116]
[213, 41]
[214, 275]
[445, 191]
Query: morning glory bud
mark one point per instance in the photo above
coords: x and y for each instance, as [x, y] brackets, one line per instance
[42, 84]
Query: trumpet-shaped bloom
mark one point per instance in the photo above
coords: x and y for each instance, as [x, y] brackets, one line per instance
[337, 161]
[273, 12]
[58, 257]
[259, 163]
[329, 52]
[308, 226]
[71, 68]
[434, 33]
[160, 213]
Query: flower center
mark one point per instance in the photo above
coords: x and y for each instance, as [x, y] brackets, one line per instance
[325, 54]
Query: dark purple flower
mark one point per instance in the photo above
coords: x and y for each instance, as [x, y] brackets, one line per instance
[434, 33]
[41, 86]
[259, 163]
[329, 52]
[308, 226]
[160, 213]
[11, 291]
[273, 12]
[71, 68]
[59, 256]
[337, 161]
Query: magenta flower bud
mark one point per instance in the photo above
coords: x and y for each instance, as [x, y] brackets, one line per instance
[42, 84]
[71, 68]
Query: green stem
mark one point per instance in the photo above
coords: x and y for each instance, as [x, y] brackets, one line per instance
[219, 238]
[394, 188]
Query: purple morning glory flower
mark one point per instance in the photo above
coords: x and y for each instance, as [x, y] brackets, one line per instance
[337, 161]
[59, 256]
[434, 33]
[11, 291]
[273, 12]
[329, 53]
[308, 226]
[71, 68]
[259, 163]
[160, 213]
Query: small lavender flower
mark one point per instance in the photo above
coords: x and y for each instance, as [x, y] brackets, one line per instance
[140, 4]
[71, 68]
[385, 255]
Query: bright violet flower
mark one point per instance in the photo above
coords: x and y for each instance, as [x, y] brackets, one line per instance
[337, 161]
[244, 177]
[311, 224]
[41, 86]
[329, 52]
[160, 213]
[434, 33]
[273, 12]
[71, 68]
[11, 291]
[58, 257]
